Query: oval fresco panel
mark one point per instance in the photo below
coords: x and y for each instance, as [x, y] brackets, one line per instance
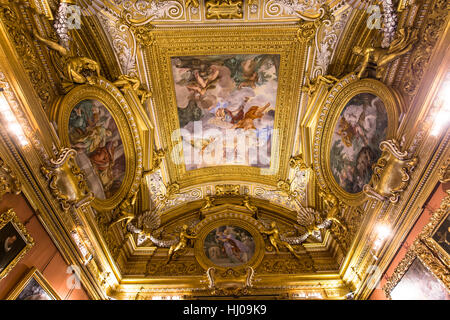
[94, 134]
[360, 128]
[229, 246]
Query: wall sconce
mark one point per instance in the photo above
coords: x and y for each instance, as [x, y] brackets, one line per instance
[10, 121]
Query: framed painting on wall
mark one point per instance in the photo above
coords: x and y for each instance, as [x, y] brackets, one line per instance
[419, 284]
[14, 241]
[33, 287]
[423, 272]
[436, 234]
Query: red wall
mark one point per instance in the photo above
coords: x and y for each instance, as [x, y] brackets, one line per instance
[43, 255]
[432, 205]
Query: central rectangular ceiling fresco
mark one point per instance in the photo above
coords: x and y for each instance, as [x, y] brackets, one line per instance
[226, 108]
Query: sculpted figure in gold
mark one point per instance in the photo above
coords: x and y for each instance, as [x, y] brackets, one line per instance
[444, 172]
[380, 57]
[275, 240]
[209, 202]
[311, 86]
[158, 156]
[333, 208]
[77, 69]
[246, 203]
[298, 162]
[126, 214]
[8, 180]
[182, 243]
[126, 82]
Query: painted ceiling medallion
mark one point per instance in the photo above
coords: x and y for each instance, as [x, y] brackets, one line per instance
[355, 142]
[94, 134]
[226, 108]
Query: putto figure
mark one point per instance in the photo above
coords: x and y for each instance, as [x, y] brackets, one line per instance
[380, 57]
[275, 240]
[181, 244]
[77, 69]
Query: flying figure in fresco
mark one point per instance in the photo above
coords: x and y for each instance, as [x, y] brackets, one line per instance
[253, 113]
[204, 80]
[250, 72]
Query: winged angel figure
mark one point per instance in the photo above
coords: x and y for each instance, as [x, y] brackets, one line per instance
[150, 222]
[310, 220]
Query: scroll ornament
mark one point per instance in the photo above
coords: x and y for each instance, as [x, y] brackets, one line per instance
[230, 282]
[66, 181]
[444, 172]
[391, 173]
[8, 180]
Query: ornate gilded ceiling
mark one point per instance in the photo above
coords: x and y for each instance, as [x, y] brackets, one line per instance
[227, 147]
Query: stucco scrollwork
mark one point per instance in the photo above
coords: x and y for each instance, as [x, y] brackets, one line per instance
[66, 181]
[391, 173]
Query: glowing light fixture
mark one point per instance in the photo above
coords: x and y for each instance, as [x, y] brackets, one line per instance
[382, 232]
[10, 120]
[442, 117]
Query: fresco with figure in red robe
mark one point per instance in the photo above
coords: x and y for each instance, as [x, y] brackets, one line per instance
[100, 153]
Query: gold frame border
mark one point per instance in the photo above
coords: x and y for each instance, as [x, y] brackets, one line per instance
[170, 43]
[37, 275]
[5, 218]
[437, 218]
[417, 251]
[336, 100]
[235, 219]
[116, 104]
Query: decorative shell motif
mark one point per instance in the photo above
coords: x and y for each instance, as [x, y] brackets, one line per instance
[307, 217]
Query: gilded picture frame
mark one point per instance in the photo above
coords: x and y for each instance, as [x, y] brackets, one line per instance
[235, 220]
[124, 118]
[34, 282]
[437, 221]
[432, 264]
[19, 247]
[170, 43]
[336, 102]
